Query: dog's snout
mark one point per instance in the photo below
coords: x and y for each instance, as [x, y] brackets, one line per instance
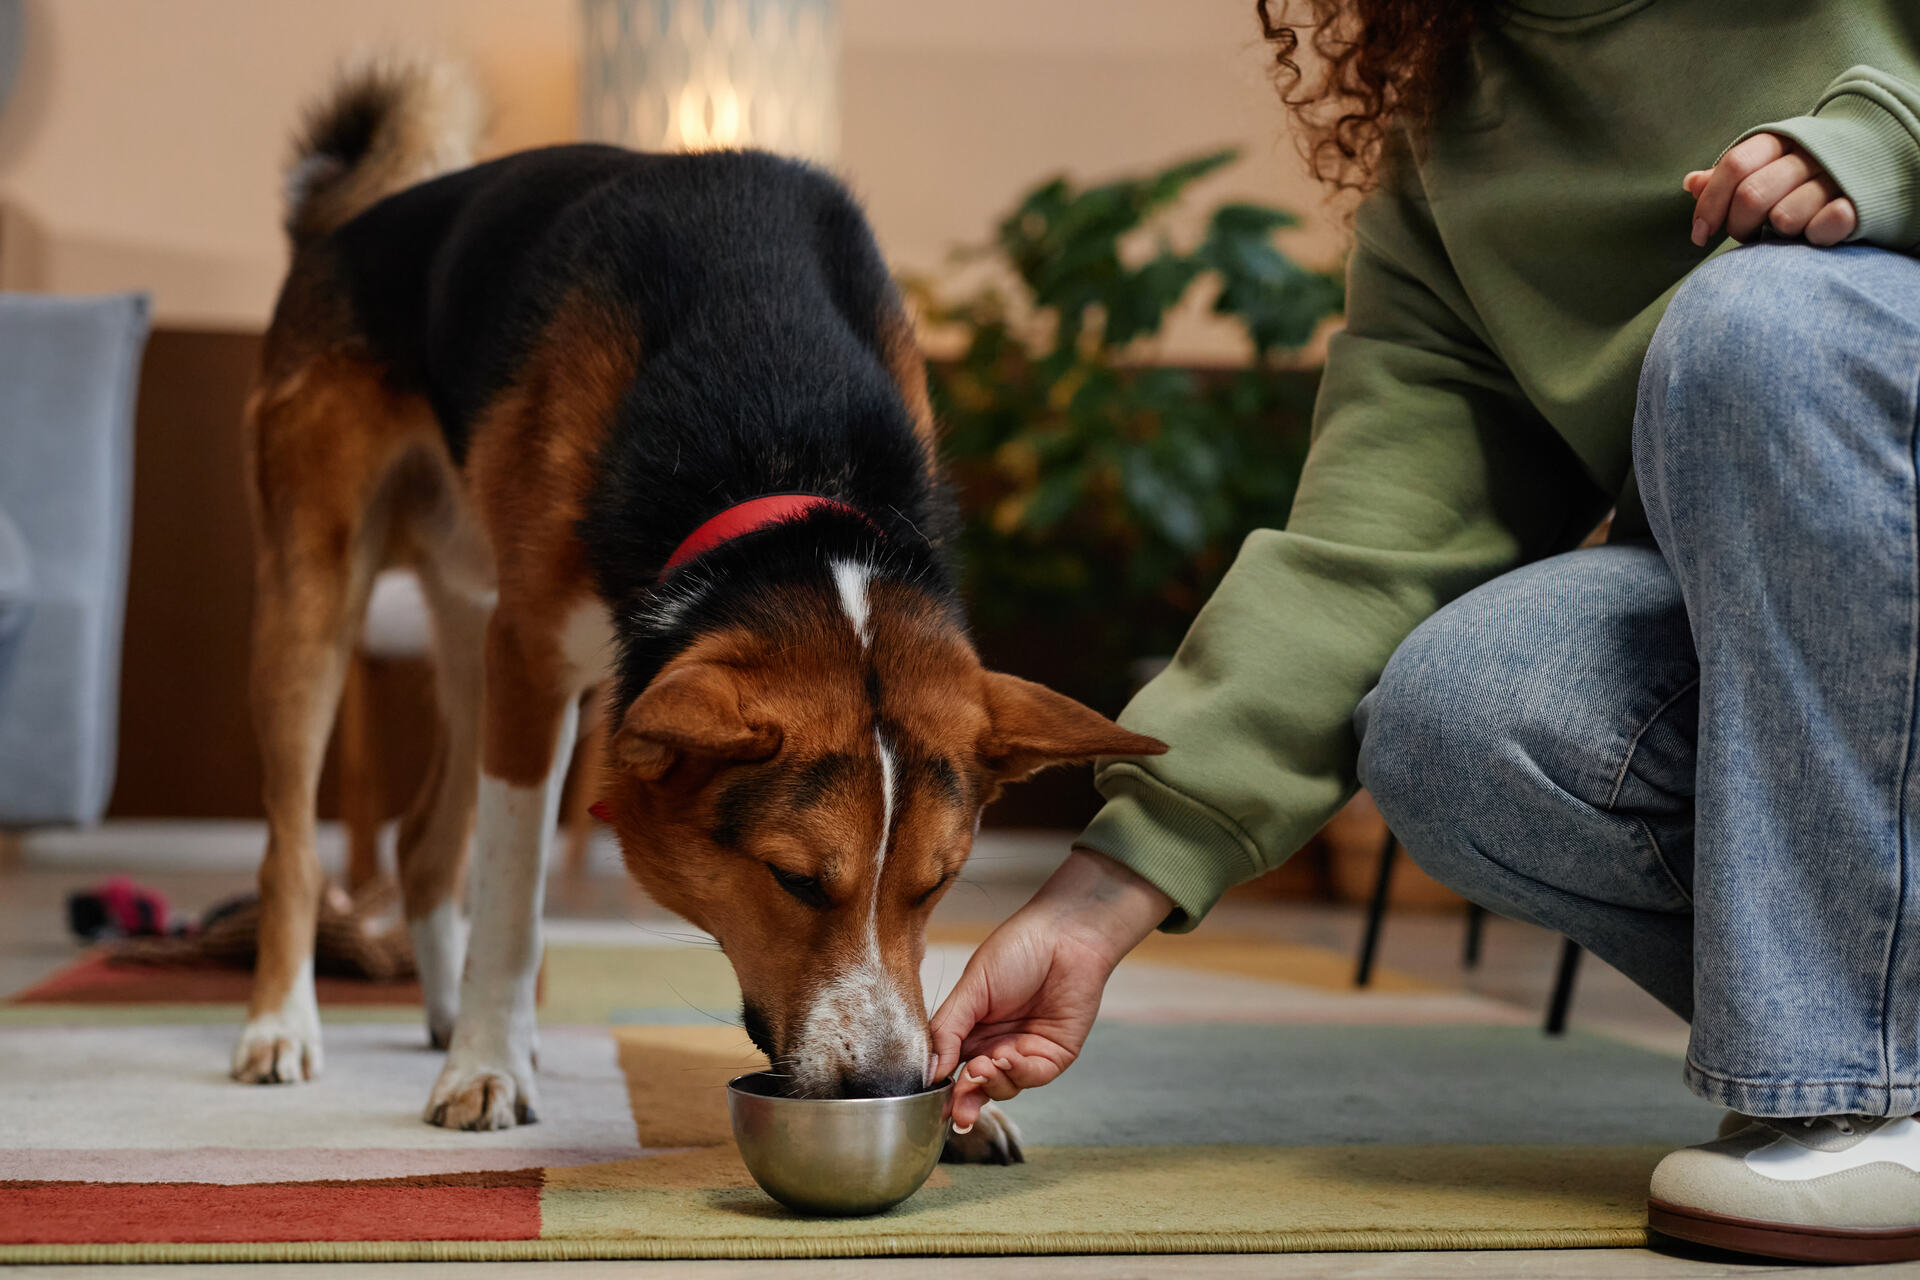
[864, 1037]
[883, 1082]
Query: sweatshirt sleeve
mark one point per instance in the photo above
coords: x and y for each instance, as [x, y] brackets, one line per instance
[1428, 473]
[1865, 132]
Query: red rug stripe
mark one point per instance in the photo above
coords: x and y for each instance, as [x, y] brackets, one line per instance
[201, 1213]
[93, 979]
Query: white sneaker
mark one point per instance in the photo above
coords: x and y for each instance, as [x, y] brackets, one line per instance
[1827, 1189]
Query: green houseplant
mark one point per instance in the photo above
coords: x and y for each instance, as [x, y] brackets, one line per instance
[1104, 495]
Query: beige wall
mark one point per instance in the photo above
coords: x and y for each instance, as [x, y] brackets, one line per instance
[143, 143]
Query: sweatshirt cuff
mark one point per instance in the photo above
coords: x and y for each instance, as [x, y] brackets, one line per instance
[1869, 144]
[1189, 852]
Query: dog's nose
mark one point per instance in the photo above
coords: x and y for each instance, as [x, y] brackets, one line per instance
[881, 1082]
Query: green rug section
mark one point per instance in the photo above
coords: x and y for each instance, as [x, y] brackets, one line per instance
[1156, 1199]
[585, 984]
[1311, 1086]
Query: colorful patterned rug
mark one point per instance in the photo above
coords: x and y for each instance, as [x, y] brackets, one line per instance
[1237, 1096]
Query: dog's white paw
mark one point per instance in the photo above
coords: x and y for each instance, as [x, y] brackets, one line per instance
[994, 1139]
[484, 1091]
[279, 1048]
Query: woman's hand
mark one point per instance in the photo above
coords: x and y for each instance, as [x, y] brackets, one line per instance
[1022, 1009]
[1767, 180]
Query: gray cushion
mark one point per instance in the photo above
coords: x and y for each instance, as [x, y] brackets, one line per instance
[68, 373]
[16, 603]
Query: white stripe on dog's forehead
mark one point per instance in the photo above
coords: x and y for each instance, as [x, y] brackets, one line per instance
[881, 846]
[862, 1016]
[851, 580]
[872, 960]
[886, 807]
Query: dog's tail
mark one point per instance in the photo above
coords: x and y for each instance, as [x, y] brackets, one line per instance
[387, 123]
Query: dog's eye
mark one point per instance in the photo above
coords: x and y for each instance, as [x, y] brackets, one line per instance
[806, 888]
[938, 885]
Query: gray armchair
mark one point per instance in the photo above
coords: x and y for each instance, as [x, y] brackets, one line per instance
[69, 368]
[16, 596]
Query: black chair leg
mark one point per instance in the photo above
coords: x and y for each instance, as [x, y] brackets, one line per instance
[1476, 930]
[1563, 987]
[1376, 912]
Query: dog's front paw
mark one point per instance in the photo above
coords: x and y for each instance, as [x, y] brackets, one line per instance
[481, 1091]
[278, 1048]
[994, 1139]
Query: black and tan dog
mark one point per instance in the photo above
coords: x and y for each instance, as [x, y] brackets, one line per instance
[654, 422]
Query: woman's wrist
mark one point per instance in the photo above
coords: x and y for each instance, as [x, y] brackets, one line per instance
[1106, 905]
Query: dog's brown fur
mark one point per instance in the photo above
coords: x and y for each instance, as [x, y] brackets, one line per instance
[755, 752]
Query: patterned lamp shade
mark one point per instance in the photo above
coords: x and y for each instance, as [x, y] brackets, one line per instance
[687, 75]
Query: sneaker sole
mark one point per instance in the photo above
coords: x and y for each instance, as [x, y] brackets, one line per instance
[1780, 1240]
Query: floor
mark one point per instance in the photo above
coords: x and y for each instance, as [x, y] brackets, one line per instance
[1563, 1264]
[197, 864]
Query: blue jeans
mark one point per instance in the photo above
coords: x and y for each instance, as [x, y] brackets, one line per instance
[1696, 759]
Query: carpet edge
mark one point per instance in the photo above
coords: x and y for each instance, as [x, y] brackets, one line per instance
[906, 1244]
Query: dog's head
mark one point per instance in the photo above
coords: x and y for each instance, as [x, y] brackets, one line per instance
[805, 783]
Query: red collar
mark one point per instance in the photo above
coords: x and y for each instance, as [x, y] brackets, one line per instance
[745, 517]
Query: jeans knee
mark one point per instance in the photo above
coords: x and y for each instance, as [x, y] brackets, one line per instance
[1426, 757]
[1398, 723]
[1744, 312]
[1750, 329]
[1417, 730]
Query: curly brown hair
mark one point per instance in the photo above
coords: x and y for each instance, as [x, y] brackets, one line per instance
[1382, 63]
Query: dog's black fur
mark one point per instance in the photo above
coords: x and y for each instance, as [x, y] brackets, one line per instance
[757, 296]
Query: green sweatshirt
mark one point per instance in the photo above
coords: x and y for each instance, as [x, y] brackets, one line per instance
[1477, 411]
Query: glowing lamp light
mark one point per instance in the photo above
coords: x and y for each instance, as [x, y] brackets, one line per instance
[692, 75]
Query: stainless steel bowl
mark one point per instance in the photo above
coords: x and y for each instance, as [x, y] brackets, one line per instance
[839, 1156]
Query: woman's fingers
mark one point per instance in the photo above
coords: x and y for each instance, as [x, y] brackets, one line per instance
[999, 1073]
[964, 1006]
[1766, 182]
[1030, 1061]
[968, 1098]
[1739, 164]
[944, 1054]
[995, 1076]
[1834, 223]
[979, 1081]
[1795, 210]
[1764, 188]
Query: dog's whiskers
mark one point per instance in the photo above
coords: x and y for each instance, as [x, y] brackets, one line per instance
[705, 1013]
[701, 940]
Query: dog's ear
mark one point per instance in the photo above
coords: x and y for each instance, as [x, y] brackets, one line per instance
[691, 710]
[1030, 727]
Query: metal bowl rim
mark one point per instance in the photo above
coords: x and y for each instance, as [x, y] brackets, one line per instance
[733, 1087]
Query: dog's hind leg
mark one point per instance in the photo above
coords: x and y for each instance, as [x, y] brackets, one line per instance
[308, 597]
[319, 450]
[436, 829]
[299, 659]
